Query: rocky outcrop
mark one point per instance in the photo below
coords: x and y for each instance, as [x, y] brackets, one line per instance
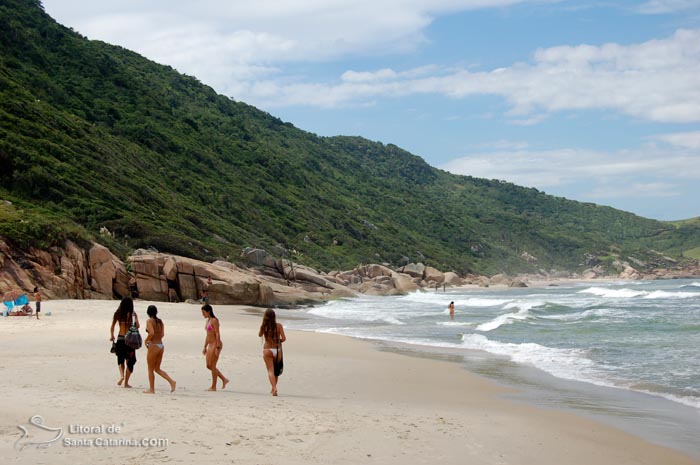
[156, 274]
[629, 273]
[272, 283]
[77, 273]
[595, 272]
[64, 273]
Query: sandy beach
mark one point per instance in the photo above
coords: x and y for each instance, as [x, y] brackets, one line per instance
[341, 401]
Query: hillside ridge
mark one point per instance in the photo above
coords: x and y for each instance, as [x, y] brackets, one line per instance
[100, 144]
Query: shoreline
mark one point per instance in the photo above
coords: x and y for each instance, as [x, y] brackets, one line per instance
[617, 407]
[341, 400]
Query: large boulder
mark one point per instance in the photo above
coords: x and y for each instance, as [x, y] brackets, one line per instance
[432, 275]
[375, 270]
[630, 273]
[453, 279]
[170, 269]
[374, 288]
[500, 280]
[109, 275]
[258, 257]
[414, 269]
[73, 276]
[404, 284]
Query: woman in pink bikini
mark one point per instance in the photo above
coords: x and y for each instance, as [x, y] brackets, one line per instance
[273, 334]
[212, 346]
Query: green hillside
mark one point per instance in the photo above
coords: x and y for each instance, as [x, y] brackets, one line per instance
[93, 135]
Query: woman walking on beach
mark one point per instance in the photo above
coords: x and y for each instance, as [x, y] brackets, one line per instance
[212, 346]
[154, 344]
[125, 316]
[274, 336]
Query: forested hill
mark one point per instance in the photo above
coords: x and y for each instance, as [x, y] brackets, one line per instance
[94, 136]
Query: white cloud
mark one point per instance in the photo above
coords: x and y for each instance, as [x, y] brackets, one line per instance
[667, 6]
[598, 170]
[651, 190]
[689, 140]
[655, 80]
[504, 144]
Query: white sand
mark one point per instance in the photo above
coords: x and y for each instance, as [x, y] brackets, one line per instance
[341, 401]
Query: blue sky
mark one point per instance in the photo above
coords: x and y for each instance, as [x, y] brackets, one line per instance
[596, 101]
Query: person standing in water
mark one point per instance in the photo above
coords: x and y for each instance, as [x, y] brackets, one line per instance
[154, 344]
[212, 346]
[124, 315]
[273, 334]
[451, 308]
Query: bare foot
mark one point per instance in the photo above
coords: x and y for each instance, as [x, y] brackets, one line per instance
[224, 383]
[274, 392]
[211, 389]
[128, 386]
[121, 380]
[149, 392]
[172, 386]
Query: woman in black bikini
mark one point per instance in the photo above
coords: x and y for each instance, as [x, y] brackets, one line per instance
[273, 333]
[154, 343]
[212, 346]
[125, 355]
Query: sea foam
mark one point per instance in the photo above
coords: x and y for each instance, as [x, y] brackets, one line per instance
[613, 293]
[508, 318]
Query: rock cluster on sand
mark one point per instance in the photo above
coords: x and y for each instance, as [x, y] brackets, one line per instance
[72, 272]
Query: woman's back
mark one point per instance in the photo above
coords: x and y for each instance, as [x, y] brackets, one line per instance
[124, 319]
[156, 325]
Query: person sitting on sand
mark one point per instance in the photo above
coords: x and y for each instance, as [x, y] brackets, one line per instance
[124, 315]
[274, 336]
[212, 346]
[154, 344]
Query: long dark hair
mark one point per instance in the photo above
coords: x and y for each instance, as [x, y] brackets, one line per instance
[207, 308]
[125, 310]
[152, 312]
[269, 325]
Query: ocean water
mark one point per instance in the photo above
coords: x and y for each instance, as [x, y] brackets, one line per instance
[638, 337]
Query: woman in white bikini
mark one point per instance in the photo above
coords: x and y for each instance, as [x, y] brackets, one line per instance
[212, 346]
[154, 343]
[273, 334]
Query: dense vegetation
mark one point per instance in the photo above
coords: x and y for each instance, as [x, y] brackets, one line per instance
[93, 136]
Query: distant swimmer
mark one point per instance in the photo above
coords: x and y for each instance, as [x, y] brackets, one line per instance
[451, 307]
